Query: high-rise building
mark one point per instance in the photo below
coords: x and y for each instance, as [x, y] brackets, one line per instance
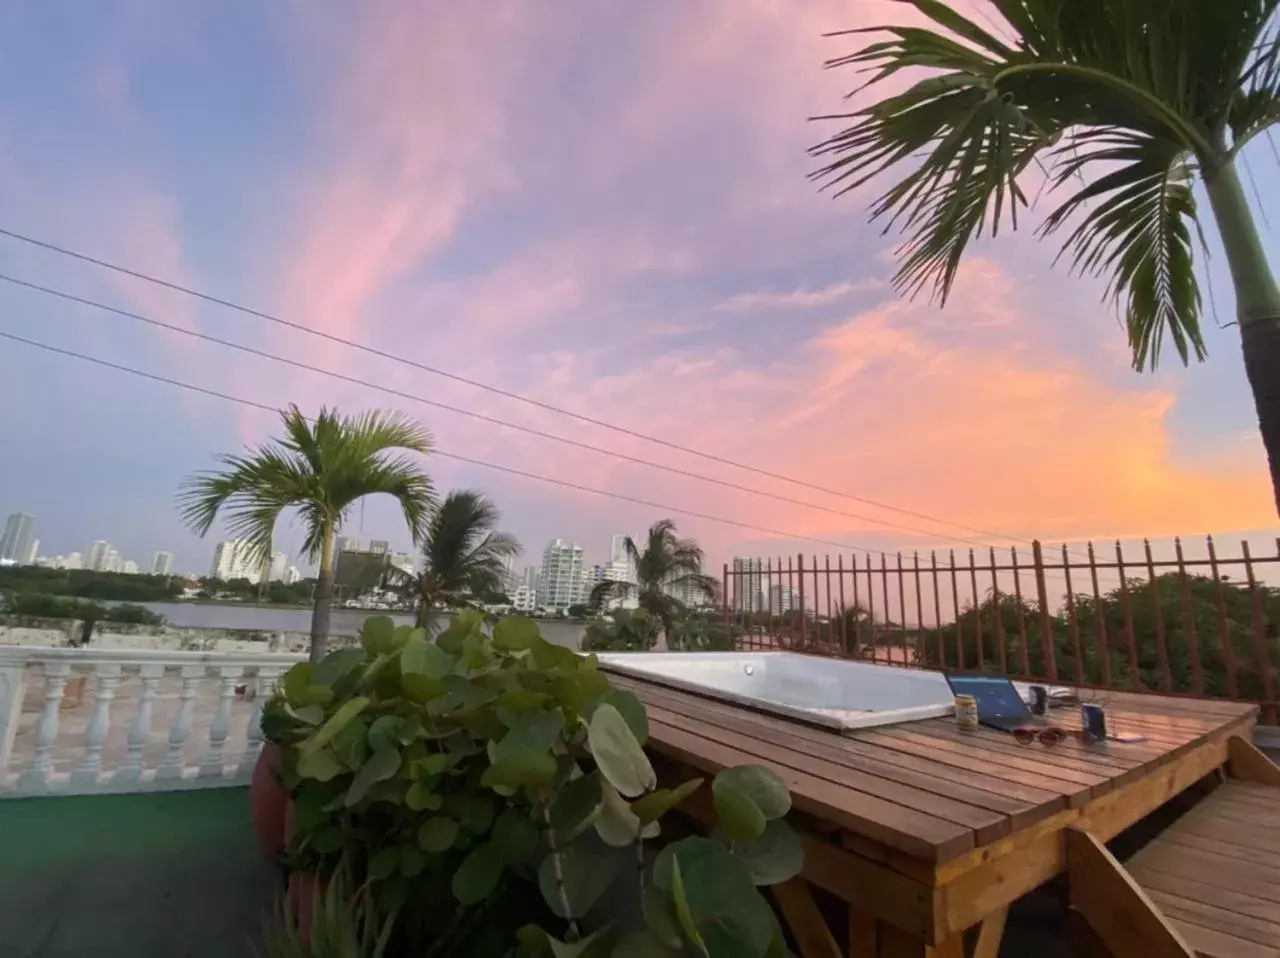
[72, 561]
[747, 584]
[29, 557]
[344, 544]
[291, 575]
[782, 598]
[561, 581]
[379, 547]
[688, 592]
[112, 562]
[162, 563]
[96, 559]
[403, 561]
[234, 559]
[19, 531]
[275, 571]
[129, 567]
[524, 598]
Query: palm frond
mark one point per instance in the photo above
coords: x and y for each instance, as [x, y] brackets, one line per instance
[1136, 235]
[461, 552]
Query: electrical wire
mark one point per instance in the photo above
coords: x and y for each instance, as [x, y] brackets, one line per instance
[508, 394]
[511, 470]
[343, 377]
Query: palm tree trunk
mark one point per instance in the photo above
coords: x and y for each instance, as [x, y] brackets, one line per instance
[1257, 306]
[323, 597]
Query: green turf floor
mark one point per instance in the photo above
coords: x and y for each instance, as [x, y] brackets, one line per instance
[131, 876]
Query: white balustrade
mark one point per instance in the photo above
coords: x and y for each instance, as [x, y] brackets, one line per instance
[173, 712]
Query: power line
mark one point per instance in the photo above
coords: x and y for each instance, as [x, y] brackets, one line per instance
[298, 364]
[374, 351]
[511, 470]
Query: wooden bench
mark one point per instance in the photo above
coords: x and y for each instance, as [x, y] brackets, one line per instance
[1208, 886]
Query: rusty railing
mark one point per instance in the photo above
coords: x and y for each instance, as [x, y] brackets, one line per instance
[1200, 625]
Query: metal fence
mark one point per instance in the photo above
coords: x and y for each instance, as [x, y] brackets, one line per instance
[1203, 624]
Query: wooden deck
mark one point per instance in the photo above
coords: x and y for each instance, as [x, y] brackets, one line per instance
[928, 831]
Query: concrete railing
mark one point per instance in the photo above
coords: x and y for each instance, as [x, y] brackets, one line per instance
[85, 720]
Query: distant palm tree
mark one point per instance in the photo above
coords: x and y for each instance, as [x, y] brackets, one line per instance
[321, 469]
[463, 558]
[667, 564]
[1124, 103]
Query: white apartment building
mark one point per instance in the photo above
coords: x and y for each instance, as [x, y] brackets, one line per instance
[562, 578]
[162, 563]
[97, 556]
[112, 561]
[15, 542]
[129, 567]
[233, 559]
[345, 544]
[783, 598]
[291, 575]
[276, 570]
[28, 557]
[404, 561]
[748, 592]
[524, 598]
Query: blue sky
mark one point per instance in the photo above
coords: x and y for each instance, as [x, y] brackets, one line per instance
[600, 205]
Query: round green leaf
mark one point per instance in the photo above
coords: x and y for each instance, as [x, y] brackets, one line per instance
[585, 875]
[515, 836]
[478, 875]
[378, 634]
[420, 657]
[437, 834]
[761, 785]
[618, 754]
[322, 765]
[683, 913]
[730, 915]
[651, 807]
[515, 632]
[351, 745]
[660, 917]
[738, 815]
[336, 665]
[412, 861]
[631, 709]
[531, 767]
[345, 714]
[616, 824]
[380, 766]
[296, 681]
[384, 862]
[474, 812]
[384, 732]
[577, 804]
[420, 798]
[690, 850]
[643, 944]
[774, 856]
[521, 700]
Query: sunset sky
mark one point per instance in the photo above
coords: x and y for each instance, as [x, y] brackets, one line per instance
[599, 204]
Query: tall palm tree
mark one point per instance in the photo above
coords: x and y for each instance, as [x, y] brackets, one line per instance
[321, 469]
[462, 556]
[667, 566]
[1122, 104]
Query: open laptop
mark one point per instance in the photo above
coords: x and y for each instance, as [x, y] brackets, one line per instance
[999, 704]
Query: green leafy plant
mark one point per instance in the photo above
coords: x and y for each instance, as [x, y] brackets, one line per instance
[457, 773]
[622, 630]
[343, 922]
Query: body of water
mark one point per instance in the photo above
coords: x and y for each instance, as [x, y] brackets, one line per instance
[276, 619]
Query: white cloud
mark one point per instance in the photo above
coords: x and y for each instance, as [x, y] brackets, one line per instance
[798, 298]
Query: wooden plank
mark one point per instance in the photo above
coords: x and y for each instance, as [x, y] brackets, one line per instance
[1245, 812]
[1171, 859]
[991, 934]
[877, 888]
[1229, 833]
[1240, 853]
[1022, 804]
[986, 825]
[987, 878]
[919, 835]
[808, 928]
[1247, 763]
[1211, 944]
[1252, 791]
[975, 751]
[1110, 767]
[1174, 704]
[1216, 896]
[1191, 912]
[863, 942]
[897, 944]
[1126, 920]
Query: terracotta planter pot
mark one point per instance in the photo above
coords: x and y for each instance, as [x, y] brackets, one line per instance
[269, 804]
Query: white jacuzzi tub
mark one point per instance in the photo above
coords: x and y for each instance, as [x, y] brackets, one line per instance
[836, 693]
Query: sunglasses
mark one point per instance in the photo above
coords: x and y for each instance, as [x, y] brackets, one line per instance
[1051, 736]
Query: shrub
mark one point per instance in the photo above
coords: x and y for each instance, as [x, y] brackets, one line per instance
[622, 630]
[457, 773]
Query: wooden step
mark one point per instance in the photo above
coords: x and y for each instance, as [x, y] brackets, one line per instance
[1215, 873]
